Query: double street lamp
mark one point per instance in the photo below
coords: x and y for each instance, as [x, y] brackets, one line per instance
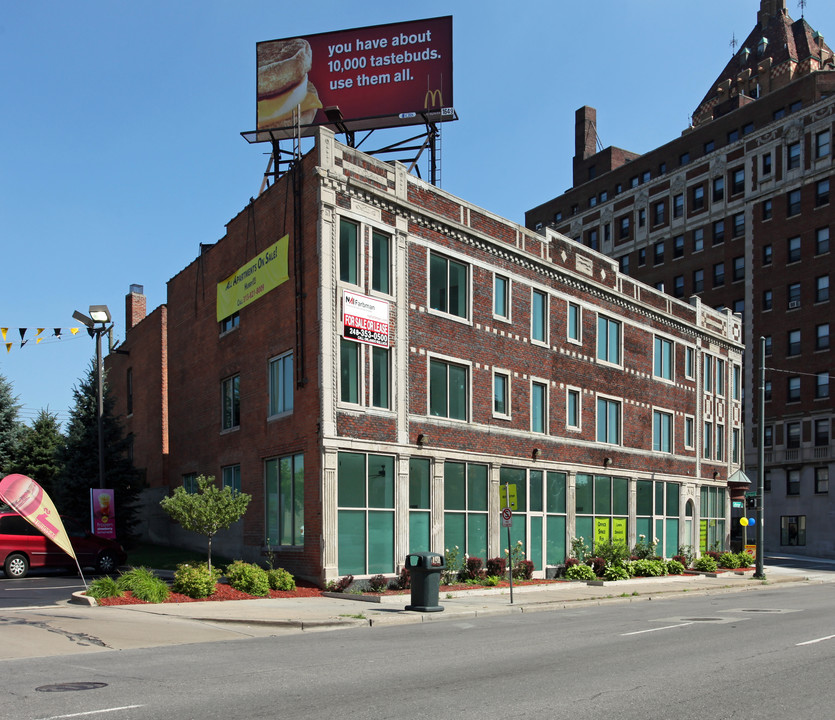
[96, 324]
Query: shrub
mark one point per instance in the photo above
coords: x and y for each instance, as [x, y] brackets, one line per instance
[705, 564]
[728, 560]
[280, 579]
[681, 559]
[497, 566]
[648, 568]
[341, 585]
[523, 570]
[103, 587]
[144, 585]
[580, 572]
[643, 548]
[248, 578]
[579, 549]
[472, 569]
[746, 559]
[404, 580]
[715, 554]
[615, 572]
[597, 564]
[612, 552]
[195, 581]
[449, 576]
[569, 561]
[688, 553]
[378, 583]
[674, 567]
[491, 580]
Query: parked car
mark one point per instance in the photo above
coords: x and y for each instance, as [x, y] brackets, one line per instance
[23, 546]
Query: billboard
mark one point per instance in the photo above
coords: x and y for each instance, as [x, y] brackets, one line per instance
[365, 78]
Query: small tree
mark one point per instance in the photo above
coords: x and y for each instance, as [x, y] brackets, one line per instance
[207, 511]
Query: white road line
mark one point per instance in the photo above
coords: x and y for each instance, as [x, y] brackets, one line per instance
[92, 712]
[817, 640]
[34, 589]
[666, 627]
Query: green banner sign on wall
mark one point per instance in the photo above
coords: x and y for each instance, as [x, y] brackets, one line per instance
[619, 531]
[703, 535]
[601, 530]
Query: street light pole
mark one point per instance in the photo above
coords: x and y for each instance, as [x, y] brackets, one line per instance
[100, 403]
[759, 573]
[96, 323]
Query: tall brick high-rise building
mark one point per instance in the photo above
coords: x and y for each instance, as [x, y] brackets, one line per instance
[410, 354]
[737, 211]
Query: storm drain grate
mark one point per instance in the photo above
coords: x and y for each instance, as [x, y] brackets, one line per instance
[762, 611]
[703, 619]
[71, 687]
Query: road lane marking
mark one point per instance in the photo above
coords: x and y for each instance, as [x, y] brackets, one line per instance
[666, 627]
[816, 640]
[92, 712]
[36, 589]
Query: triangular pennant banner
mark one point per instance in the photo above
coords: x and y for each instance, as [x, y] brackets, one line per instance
[22, 332]
[23, 342]
[4, 331]
[57, 332]
[9, 347]
[74, 331]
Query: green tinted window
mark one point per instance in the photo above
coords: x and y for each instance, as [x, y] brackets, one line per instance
[583, 495]
[455, 497]
[351, 480]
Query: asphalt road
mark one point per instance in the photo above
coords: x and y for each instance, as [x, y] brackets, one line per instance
[763, 655]
[46, 588]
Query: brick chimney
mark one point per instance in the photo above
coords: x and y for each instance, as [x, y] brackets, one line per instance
[585, 132]
[770, 9]
[135, 308]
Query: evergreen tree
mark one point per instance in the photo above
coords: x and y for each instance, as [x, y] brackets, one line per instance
[80, 459]
[38, 452]
[10, 427]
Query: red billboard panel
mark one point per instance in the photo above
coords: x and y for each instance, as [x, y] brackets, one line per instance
[365, 78]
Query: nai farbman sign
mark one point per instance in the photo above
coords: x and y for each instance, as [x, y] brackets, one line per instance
[365, 319]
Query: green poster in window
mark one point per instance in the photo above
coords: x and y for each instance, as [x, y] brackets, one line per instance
[703, 535]
[601, 530]
[619, 531]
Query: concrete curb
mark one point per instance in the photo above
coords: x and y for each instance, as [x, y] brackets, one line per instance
[80, 598]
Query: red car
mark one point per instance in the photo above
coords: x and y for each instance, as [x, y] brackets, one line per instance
[23, 547]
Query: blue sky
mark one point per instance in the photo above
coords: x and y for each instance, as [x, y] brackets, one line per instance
[121, 147]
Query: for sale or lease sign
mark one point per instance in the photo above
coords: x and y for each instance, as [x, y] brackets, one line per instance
[365, 319]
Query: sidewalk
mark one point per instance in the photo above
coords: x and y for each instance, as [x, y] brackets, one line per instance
[346, 610]
[77, 629]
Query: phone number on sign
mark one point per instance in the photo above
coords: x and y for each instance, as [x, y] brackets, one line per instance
[368, 336]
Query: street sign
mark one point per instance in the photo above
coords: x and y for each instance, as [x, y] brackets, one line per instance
[507, 517]
[507, 494]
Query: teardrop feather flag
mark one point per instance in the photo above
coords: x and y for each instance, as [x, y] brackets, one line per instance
[29, 499]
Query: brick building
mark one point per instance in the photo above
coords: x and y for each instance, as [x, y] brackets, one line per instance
[499, 355]
[736, 211]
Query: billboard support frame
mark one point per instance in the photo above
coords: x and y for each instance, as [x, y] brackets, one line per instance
[282, 160]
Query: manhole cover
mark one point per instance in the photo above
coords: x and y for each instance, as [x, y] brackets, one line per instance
[702, 619]
[71, 687]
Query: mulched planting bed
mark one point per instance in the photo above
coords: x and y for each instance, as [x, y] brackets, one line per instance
[222, 592]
